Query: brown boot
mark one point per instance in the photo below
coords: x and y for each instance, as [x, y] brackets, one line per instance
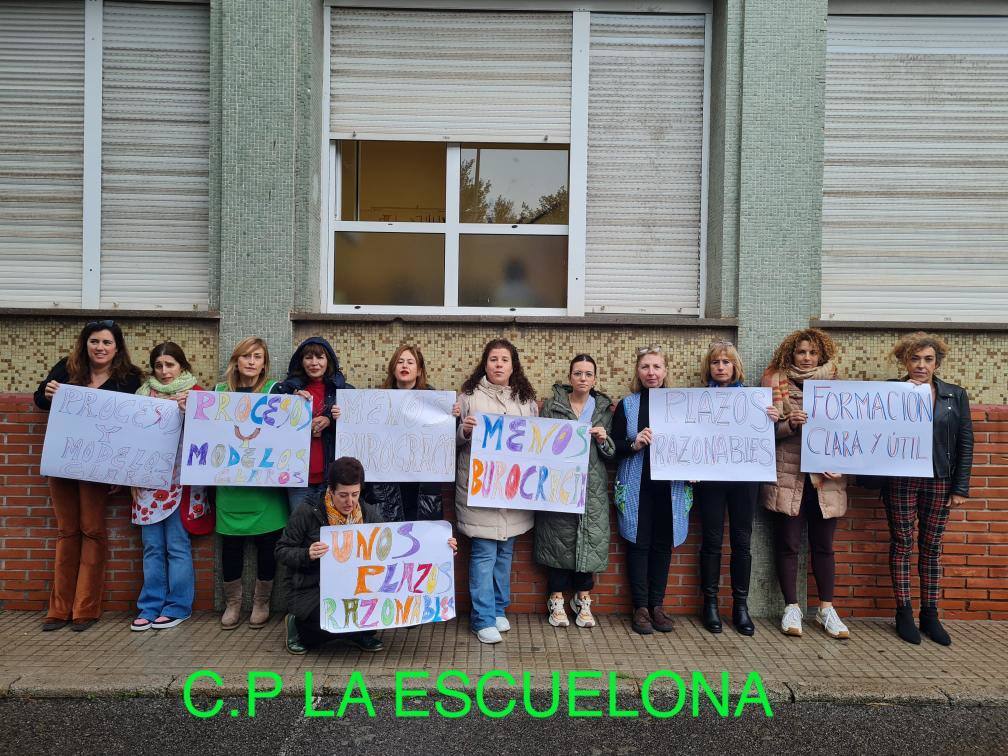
[641, 622]
[232, 604]
[261, 603]
[662, 622]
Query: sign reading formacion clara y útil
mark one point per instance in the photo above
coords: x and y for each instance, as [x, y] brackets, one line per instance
[400, 436]
[245, 439]
[536, 463]
[867, 427]
[384, 575]
[711, 434]
[110, 437]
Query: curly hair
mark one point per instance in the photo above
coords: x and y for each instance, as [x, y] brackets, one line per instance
[421, 367]
[79, 364]
[520, 386]
[912, 343]
[783, 356]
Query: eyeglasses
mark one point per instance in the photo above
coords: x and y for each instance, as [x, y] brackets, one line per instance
[650, 349]
[101, 323]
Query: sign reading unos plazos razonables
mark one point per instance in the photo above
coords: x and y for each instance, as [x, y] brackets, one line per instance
[110, 437]
[529, 463]
[711, 434]
[400, 436]
[245, 439]
[868, 428]
[385, 575]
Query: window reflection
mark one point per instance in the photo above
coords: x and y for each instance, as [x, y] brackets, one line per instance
[393, 182]
[497, 270]
[503, 184]
[388, 269]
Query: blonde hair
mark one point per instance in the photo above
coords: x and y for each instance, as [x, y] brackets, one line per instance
[912, 343]
[242, 348]
[636, 385]
[715, 349]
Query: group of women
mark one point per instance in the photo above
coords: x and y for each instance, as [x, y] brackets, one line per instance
[572, 548]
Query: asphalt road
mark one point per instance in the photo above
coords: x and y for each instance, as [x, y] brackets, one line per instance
[163, 726]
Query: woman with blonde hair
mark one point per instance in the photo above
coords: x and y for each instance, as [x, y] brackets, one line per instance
[928, 500]
[798, 498]
[721, 367]
[653, 514]
[245, 513]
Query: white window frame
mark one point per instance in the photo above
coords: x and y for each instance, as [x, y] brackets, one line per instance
[576, 228]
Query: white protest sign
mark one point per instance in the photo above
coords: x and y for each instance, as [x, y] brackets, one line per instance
[246, 439]
[868, 428]
[399, 436]
[529, 463]
[109, 437]
[711, 434]
[385, 575]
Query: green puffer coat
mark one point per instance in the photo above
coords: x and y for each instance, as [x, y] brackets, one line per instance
[579, 542]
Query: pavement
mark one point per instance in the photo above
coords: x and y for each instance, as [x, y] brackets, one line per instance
[874, 666]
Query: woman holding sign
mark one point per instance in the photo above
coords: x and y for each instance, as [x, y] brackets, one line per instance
[798, 498]
[314, 374]
[645, 506]
[245, 512]
[169, 581]
[573, 547]
[721, 367]
[99, 359]
[928, 500]
[496, 386]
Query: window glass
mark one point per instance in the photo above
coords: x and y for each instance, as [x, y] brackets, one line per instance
[504, 184]
[497, 270]
[388, 269]
[393, 182]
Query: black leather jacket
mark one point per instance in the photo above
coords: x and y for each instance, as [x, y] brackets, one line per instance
[953, 436]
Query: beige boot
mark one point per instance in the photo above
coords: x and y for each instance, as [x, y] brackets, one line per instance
[232, 604]
[261, 603]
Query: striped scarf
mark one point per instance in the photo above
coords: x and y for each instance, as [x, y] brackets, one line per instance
[787, 385]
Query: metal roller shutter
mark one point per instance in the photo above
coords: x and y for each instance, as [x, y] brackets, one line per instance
[645, 157]
[155, 156]
[450, 76]
[42, 154]
[915, 182]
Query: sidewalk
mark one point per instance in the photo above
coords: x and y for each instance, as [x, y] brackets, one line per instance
[875, 666]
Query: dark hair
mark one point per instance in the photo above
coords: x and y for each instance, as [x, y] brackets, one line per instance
[346, 471]
[79, 366]
[312, 350]
[582, 358]
[421, 377]
[170, 349]
[783, 357]
[520, 386]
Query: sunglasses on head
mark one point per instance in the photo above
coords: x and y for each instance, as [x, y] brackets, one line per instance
[651, 349]
[101, 323]
[721, 343]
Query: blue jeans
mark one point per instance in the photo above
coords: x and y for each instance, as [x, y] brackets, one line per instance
[169, 579]
[489, 580]
[298, 496]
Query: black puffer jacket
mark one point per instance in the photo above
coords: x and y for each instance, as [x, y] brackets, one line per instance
[296, 381]
[292, 551]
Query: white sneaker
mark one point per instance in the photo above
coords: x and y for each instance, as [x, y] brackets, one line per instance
[489, 635]
[583, 608]
[829, 620]
[557, 615]
[502, 624]
[790, 623]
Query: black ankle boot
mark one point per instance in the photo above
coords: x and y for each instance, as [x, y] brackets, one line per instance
[905, 627]
[741, 564]
[931, 627]
[711, 615]
[740, 617]
[710, 576]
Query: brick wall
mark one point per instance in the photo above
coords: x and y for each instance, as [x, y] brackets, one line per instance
[975, 556]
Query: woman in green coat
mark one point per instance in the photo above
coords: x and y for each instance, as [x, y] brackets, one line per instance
[574, 547]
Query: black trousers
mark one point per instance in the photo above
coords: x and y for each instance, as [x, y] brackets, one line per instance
[738, 500]
[648, 559]
[312, 635]
[560, 580]
[233, 555]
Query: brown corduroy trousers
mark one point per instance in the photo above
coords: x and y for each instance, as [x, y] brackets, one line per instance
[81, 548]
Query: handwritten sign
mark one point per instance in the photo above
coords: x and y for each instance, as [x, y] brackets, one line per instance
[399, 436]
[711, 434]
[244, 439]
[109, 437]
[867, 427]
[380, 576]
[529, 463]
